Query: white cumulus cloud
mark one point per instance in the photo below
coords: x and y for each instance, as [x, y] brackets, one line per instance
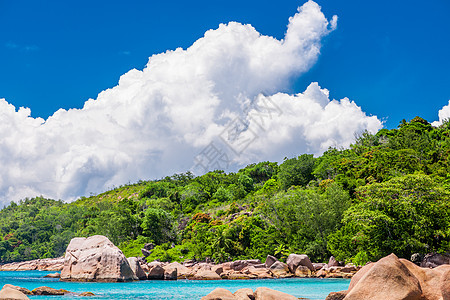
[156, 121]
[444, 114]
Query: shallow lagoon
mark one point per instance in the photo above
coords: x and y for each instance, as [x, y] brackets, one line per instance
[310, 288]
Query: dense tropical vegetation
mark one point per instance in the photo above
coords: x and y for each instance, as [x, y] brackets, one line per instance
[389, 192]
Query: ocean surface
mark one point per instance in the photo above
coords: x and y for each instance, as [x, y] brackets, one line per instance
[309, 288]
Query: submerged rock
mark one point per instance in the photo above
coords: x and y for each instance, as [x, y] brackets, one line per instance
[95, 259]
[45, 290]
[53, 275]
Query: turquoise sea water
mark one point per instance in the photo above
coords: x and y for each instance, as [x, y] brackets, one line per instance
[309, 288]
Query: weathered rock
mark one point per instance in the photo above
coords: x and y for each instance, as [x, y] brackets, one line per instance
[146, 252]
[45, 290]
[240, 264]
[182, 271]
[219, 294]
[261, 273]
[431, 280]
[86, 294]
[303, 271]
[238, 276]
[318, 266]
[149, 246]
[332, 262]
[53, 275]
[189, 263]
[46, 264]
[270, 260]
[445, 285]
[357, 277]
[432, 260]
[206, 275]
[21, 289]
[336, 295]
[244, 294]
[170, 273]
[156, 273]
[263, 293]
[417, 258]
[136, 267]
[8, 293]
[386, 279]
[295, 260]
[280, 270]
[95, 259]
[217, 269]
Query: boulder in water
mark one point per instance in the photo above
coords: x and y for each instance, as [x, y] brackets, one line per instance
[95, 259]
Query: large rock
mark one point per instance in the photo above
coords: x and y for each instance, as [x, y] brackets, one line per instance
[48, 291]
[244, 294]
[280, 270]
[219, 294]
[46, 264]
[156, 273]
[336, 295]
[21, 289]
[240, 264]
[9, 293]
[432, 260]
[182, 271]
[432, 281]
[206, 275]
[386, 279]
[295, 260]
[95, 259]
[332, 262]
[170, 273]
[136, 267]
[263, 293]
[270, 260]
[303, 271]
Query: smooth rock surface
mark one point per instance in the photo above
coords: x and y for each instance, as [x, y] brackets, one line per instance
[295, 260]
[8, 293]
[136, 267]
[263, 293]
[280, 270]
[244, 294]
[219, 294]
[21, 289]
[386, 279]
[270, 260]
[95, 259]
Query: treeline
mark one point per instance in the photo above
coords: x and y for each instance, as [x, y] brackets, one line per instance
[389, 192]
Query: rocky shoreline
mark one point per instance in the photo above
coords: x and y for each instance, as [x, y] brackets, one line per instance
[97, 259]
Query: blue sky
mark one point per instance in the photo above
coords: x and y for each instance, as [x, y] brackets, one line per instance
[114, 92]
[391, 57]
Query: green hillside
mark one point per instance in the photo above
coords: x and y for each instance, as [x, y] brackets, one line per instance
[388, 192]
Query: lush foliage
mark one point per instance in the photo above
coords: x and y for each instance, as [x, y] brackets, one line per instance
[388, 192]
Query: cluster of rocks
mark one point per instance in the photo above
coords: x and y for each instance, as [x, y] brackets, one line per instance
[397, 279]
[295, 266]
[261, 293]
[47, 264]
[97, 259]
[19, 293]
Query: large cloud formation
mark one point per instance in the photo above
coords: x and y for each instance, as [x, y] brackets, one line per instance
[185, 103]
